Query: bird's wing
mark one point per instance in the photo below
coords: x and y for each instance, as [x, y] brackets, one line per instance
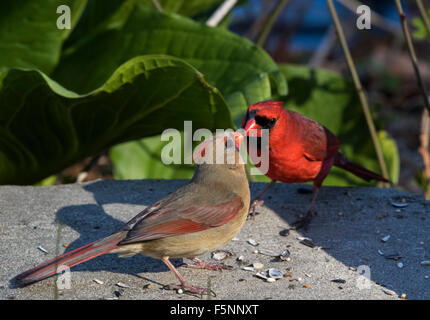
[175, 218]
[317, 141]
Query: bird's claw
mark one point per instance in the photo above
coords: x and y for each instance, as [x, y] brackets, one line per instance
[252, 208]
[303, 222]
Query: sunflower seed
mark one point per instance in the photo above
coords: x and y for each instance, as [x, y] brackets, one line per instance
[248, 269]
[240, 258]
[261, 275]
[221, 255]
[425, 263]
[179, 291]
[258, 265]
[385, 239]
[284, 232]
[122, 285]
[400, 265]
[42, 249]
[338, 280]
[399, 204]
[252, 242]
[270, 280]
[268, 253]
[308, 243]
[380, 252]
[389, 292]
[98, 281]
[275, 273]
[285, 255]
[393, 256]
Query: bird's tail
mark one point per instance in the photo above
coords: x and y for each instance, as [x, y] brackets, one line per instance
[69, 259]
[361, 172]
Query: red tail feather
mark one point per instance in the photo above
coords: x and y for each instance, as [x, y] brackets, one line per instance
[69, 259]
[356, 169]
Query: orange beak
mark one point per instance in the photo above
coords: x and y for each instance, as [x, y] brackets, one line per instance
[252, 129]
[238, 138]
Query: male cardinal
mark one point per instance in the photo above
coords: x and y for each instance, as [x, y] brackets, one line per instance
[300, 149]
[204, 214]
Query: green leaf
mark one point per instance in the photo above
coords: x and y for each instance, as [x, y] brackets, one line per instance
[420, 32]
[243, 72]
[331, 100]
[29, 37]
[45, 128]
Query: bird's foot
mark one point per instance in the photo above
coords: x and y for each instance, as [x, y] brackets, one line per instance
[187, 288]
[200, 264]
[252, 208]
[303, 222]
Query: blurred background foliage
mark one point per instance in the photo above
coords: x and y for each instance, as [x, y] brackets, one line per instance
[91, 102]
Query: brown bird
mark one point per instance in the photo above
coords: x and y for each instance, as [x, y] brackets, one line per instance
[300, 149]
[204, 214]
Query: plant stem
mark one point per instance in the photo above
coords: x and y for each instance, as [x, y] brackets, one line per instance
[221, 12]
[262, 37]
[412, 54]
[424, 16]
[360, 90]
[157, 5]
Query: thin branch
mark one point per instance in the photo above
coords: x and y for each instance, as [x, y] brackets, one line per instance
[221, 12]
[424, 16]
[377, 19]
[412, 54]
[360, 90]
[157, 6]
[270, 21]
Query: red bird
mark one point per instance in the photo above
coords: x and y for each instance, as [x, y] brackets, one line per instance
[300, 150]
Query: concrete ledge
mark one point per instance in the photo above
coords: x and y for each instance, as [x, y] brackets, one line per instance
[347, 230]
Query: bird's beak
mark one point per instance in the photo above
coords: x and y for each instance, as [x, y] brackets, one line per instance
[238, 138]
[252, 129]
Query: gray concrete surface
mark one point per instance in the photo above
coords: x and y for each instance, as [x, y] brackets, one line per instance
[347, 233]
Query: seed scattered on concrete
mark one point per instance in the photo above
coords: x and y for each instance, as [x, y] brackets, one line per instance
[386, 238]
[425, 263]
[308, 275]
[98, 281]
[352, 268]
[122, 285]
[65, 245]
[400, 265]
[179, 291]
[403, 296]
[285, 255]
[42, 249]
[308, 242]
[381, 252]
[248, 269]
[399, 204]
[235, 239]
[147, 286]
[261, 275]
[275, 273]
[252, 242]
[426, 277]
[268, 253]
[270, 280]
[382, 216]
[338, 280]
[258, 265]
[389, 292]
[255, 251]
[306, 285]
[220, 255]
[284, 232]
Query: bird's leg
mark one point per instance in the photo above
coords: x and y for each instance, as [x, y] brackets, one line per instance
[184, 285]
[304, 222]
[256, 202]
[200, 264]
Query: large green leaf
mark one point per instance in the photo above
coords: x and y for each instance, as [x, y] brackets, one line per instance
[45, 127]
[243, 72]
[29, 37]
[328, 98]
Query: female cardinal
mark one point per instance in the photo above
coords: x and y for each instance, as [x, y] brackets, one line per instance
[300, 149]
[204, 214]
